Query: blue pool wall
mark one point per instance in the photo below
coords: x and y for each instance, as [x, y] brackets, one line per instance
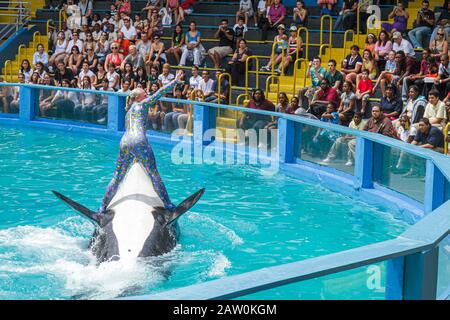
[411, 258]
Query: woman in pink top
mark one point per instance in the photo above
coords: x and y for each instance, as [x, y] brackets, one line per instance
[382, 48]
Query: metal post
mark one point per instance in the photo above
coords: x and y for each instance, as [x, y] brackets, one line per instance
[204, 119]
[434, 191]
[289, 139]
[28, 102]
[364, 163]
[395, 278]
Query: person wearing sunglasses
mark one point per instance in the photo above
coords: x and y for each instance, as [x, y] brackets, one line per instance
[439, 46]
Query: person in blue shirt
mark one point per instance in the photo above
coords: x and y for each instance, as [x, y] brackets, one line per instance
[391, 104]
[429, 137]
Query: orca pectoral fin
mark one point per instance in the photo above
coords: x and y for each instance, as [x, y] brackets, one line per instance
[93, 216]
[185, 206]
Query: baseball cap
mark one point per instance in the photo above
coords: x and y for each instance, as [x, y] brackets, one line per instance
[396, 35]
[281, 26]
[293, 28]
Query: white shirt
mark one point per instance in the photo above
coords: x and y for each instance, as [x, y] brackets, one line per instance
[206, 87]
[194, 81]
[37, 57]
[79, 44]
[129, 33]
[404, 46]
[405, 134]
[262, 6]
[104, 97]
[83, 74]
[165, 80]
[111, 78]
[88, 98]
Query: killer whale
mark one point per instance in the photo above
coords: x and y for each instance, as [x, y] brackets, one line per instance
[135, 224]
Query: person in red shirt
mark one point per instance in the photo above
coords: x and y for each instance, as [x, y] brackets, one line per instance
[322, 98]
[364, 90]
[124, 44]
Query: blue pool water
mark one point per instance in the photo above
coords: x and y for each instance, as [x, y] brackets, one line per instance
[244, 221]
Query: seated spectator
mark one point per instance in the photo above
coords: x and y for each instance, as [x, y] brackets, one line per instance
[134, 58]
[206, 86]
[429, 137]
[125, 86]
[86, 8]
[295, 45]
[14, 106]
[177, 43]
[364, 90]
[410, 66]
[75, 60]
[333, 76]
[155, 25]
[128, 75]
[141, 77]
[369, 64]
[35, 79]
[59, 52]
[89, 42]
[152, 77]
[100, 111]
[261, 12]
[400, 16]
[252, 120]
[370, 43]
[443, 21]
[417, 78]
[114, 59]
[439, 46]
[347, 106]
[379, 123]
[46, 96]
[317, 73]
[183, 85]
[91, 58]
[75, 41]
[382, 48]
[86, 72]
[155, 118]
[275, 16]
[414, 107]
[129, 31]
[435, 110]
[240, 29]
[124, 6]
[281, 50]
[124, 44]
[351, 65]
[25, 69]
[102, 48]
[236, 66]
[40, 56]
[346, 140]
[300, 17]
[350, 20]
[192, 46]
[246, 11]
[322, 97]
[326, 5]
[150, 6]
[224, 90]
[225, 34]
[349, 8]
[101, 77]
[165, 77]
[293, 106]
[400, 44]
[113, 78]
[97, 32]
[406, 133]
[194, 80]
[442, 83]
[40, 69]
[422, 26]
[388, 73]
[391, 104]
[178, 108]
[174, 6]
[63, 73]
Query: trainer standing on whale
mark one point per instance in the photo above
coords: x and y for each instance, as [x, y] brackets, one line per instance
[134, 145]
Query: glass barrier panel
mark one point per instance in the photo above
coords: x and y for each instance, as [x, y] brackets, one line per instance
[400, 171]
[9, 99]
[446, 190]
[170, 116]
[368, 282]
[444, 269]
[328, 148]
[73, 106]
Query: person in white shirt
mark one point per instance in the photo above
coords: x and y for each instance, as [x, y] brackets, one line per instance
[100, 111]
[40, 55]
[206, 85]
[165, 77]
[129, 31]
[75, 41]
[86, 72]
[113, 78]
[125, 87]
[194, 80]
[88, 100]
[400, 44]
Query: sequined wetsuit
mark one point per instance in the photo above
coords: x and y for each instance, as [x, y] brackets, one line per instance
[135, 147]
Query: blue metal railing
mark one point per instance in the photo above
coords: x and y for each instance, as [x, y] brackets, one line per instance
[412, 258]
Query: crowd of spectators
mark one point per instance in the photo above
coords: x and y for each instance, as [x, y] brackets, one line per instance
[118, 51]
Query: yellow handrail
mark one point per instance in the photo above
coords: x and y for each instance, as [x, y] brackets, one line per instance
[241, 95]
[219, 85]
[61, 18]
[330, 37]
[19, 50]
[48, 24]
[256, 58]
[193, 96]
[269, 79]
[357, 21]
[446, 143]
[345, 39]
[272, 57]
[322, 47]
[8, 74]
[295, 73]
[306, 42]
